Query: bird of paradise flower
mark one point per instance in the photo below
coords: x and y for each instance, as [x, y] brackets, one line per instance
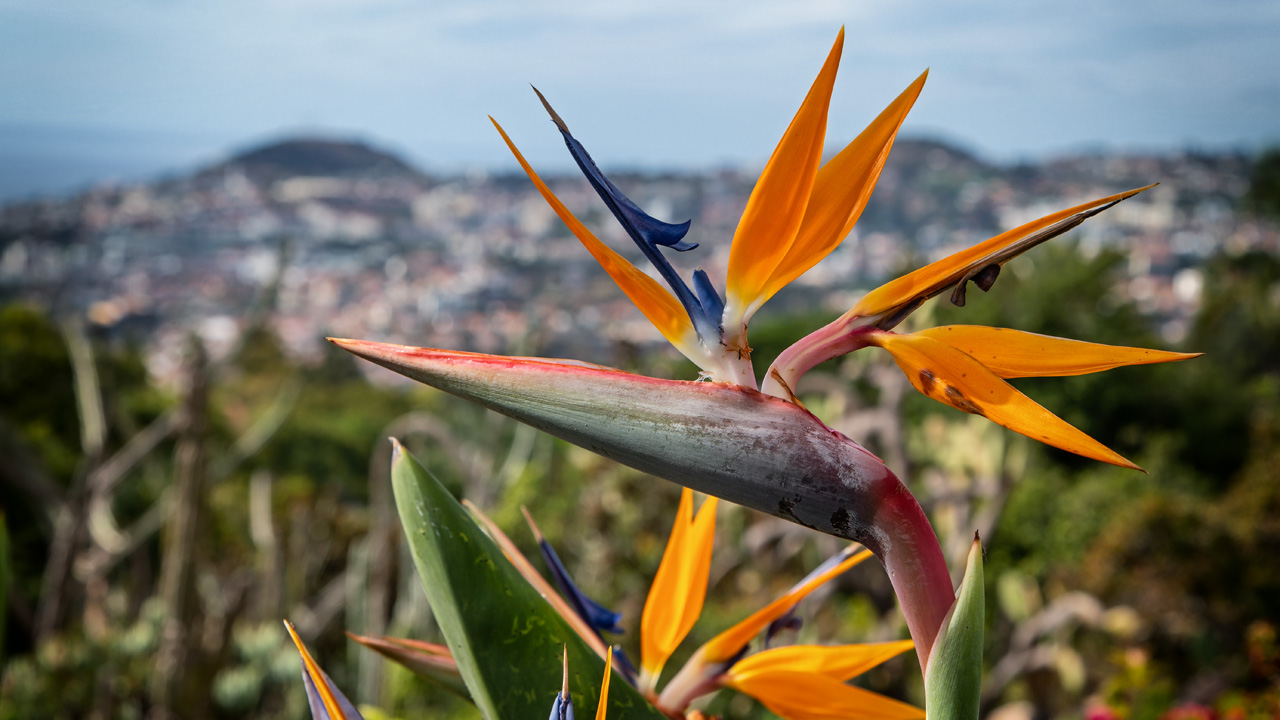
[756, 444]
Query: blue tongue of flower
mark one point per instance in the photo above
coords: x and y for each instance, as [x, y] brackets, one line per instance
[648, 233]
[562, 709]
[596, 615]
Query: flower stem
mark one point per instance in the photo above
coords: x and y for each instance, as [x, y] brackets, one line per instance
[839, 337]
[909, 550]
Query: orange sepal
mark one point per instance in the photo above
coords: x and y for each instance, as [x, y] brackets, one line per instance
[932, 279]
[838, 662]
[658, 305]
[728, 643]
[603, 707]
[320, 681]
[841, 191]
[803, 695]
[778, 202]
[1014, 353]
[679, 587]
[954, 378]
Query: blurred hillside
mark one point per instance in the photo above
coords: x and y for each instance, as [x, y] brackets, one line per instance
[359, 244]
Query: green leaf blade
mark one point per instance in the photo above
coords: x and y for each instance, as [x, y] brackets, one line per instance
[506, 639]
[953, 681]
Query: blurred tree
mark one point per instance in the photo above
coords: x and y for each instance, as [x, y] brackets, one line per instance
[1263, 197]
[36, 391]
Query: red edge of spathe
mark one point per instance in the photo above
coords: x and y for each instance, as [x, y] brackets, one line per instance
[375, 351]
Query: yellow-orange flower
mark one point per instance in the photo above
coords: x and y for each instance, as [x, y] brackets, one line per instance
[799, 211]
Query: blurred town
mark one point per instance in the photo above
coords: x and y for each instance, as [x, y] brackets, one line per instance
[358, 243]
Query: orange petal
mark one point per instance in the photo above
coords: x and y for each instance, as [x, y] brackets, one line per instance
[657, 304]
[841, 191]
[936, 277]
[679, 587]
[802, 695]
[777, 204]
[534, 578]
[727, 644]
[603, 706]
[1014, 354]
[956, 379]
[320, 687]
[839, 662]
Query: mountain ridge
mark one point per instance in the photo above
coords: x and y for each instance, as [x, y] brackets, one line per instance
[314, 156]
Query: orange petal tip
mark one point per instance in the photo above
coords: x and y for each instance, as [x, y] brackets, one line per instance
[952, 377]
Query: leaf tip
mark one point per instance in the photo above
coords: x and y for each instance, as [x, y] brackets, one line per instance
[528, 518]
[555, 117]
[953, 671]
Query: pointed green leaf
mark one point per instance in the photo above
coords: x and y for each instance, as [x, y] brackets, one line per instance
[506, 639]
[954, 678]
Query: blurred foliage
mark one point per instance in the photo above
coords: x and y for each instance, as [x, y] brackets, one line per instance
[6, 578]
[1263, 197]
[35, 357]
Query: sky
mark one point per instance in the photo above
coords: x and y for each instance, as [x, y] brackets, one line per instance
[132, 88]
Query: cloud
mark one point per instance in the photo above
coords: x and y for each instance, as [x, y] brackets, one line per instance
[655, 82]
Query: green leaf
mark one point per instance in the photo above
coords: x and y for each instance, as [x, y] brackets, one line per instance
[954, 679]
[506, 639]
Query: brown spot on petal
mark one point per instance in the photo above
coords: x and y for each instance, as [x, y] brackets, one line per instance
[959, 401]
[927, 380]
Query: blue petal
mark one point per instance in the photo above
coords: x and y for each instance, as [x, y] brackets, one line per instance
[707, 295]
[650, 229]
[647, 231]
[599, 617]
